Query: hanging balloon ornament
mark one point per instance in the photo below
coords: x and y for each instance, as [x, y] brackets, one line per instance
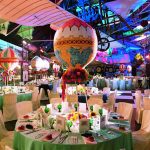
[122, 68]
[129, 68]
[45, 65]
[7, 59]
[36, 63]
[75, 46]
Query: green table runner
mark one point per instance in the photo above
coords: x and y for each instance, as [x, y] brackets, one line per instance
[20, 98]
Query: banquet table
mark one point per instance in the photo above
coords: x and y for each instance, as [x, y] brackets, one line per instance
[109, 139]
[20, 97]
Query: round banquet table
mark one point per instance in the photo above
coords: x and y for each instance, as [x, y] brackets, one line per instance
[20, 97]
[31, 140]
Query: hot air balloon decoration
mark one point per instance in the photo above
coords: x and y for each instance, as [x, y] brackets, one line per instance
[75, 46]
[7, 59]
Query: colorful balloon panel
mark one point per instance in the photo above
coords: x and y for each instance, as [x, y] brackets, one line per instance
[7, 58]
[75, 44]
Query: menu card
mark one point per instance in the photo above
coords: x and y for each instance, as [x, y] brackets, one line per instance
[64, 107]
[82, 107]
[60, 123]
[84, 125]
[102, 121]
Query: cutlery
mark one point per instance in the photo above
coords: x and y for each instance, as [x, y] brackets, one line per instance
[63, 139]
[59, 135]
[39, 135]
[32, 131]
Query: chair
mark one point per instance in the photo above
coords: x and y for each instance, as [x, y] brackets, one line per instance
[122, 85]
[6, 138]
[9, 107]
[92, 101]
[139, 109]
[98, 96]
[24, 108]
[52, 95]
[115, 84]
[110, 105]
[35, 100]
[147, 92]
[134, 83]
[107, 82]
[125, 110]
[141, 138]
[72, 98]
[8, 148]
[129, 84]
[146, 103]
[31, 87]
[106, 90]
[56, 100]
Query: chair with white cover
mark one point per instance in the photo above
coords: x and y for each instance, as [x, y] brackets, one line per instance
[98, 96]
[9, 107]
[24, 108]
[55, 100]
[8, 148]
[146, 103]
[129, 84]
[110, 105]
[122, 85]
[52, 95]
[73, 98]
[125, 110]
[141, 138]
[31, 87]
[92, 101]
[6, 137]
[35, 100]
[106, 90]
[107, 82]
[147, 92]
[134, 83]
[115, 85]
[138, 91]
[139, 108]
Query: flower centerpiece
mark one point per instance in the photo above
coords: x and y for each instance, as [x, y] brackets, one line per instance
[75, 75]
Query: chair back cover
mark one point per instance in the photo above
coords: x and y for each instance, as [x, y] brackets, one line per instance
[55, 100]
[98, 96]
[24, 108]
[146, 103]
[92, 101]
[122, 85]
[147, 92]
[146, 121]
[115, 83]
[72, 98]
[35, 100]
[106, 90]
[138, 100]
[52, 95]
[9, 107]
[125, 110]
[3, 131]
